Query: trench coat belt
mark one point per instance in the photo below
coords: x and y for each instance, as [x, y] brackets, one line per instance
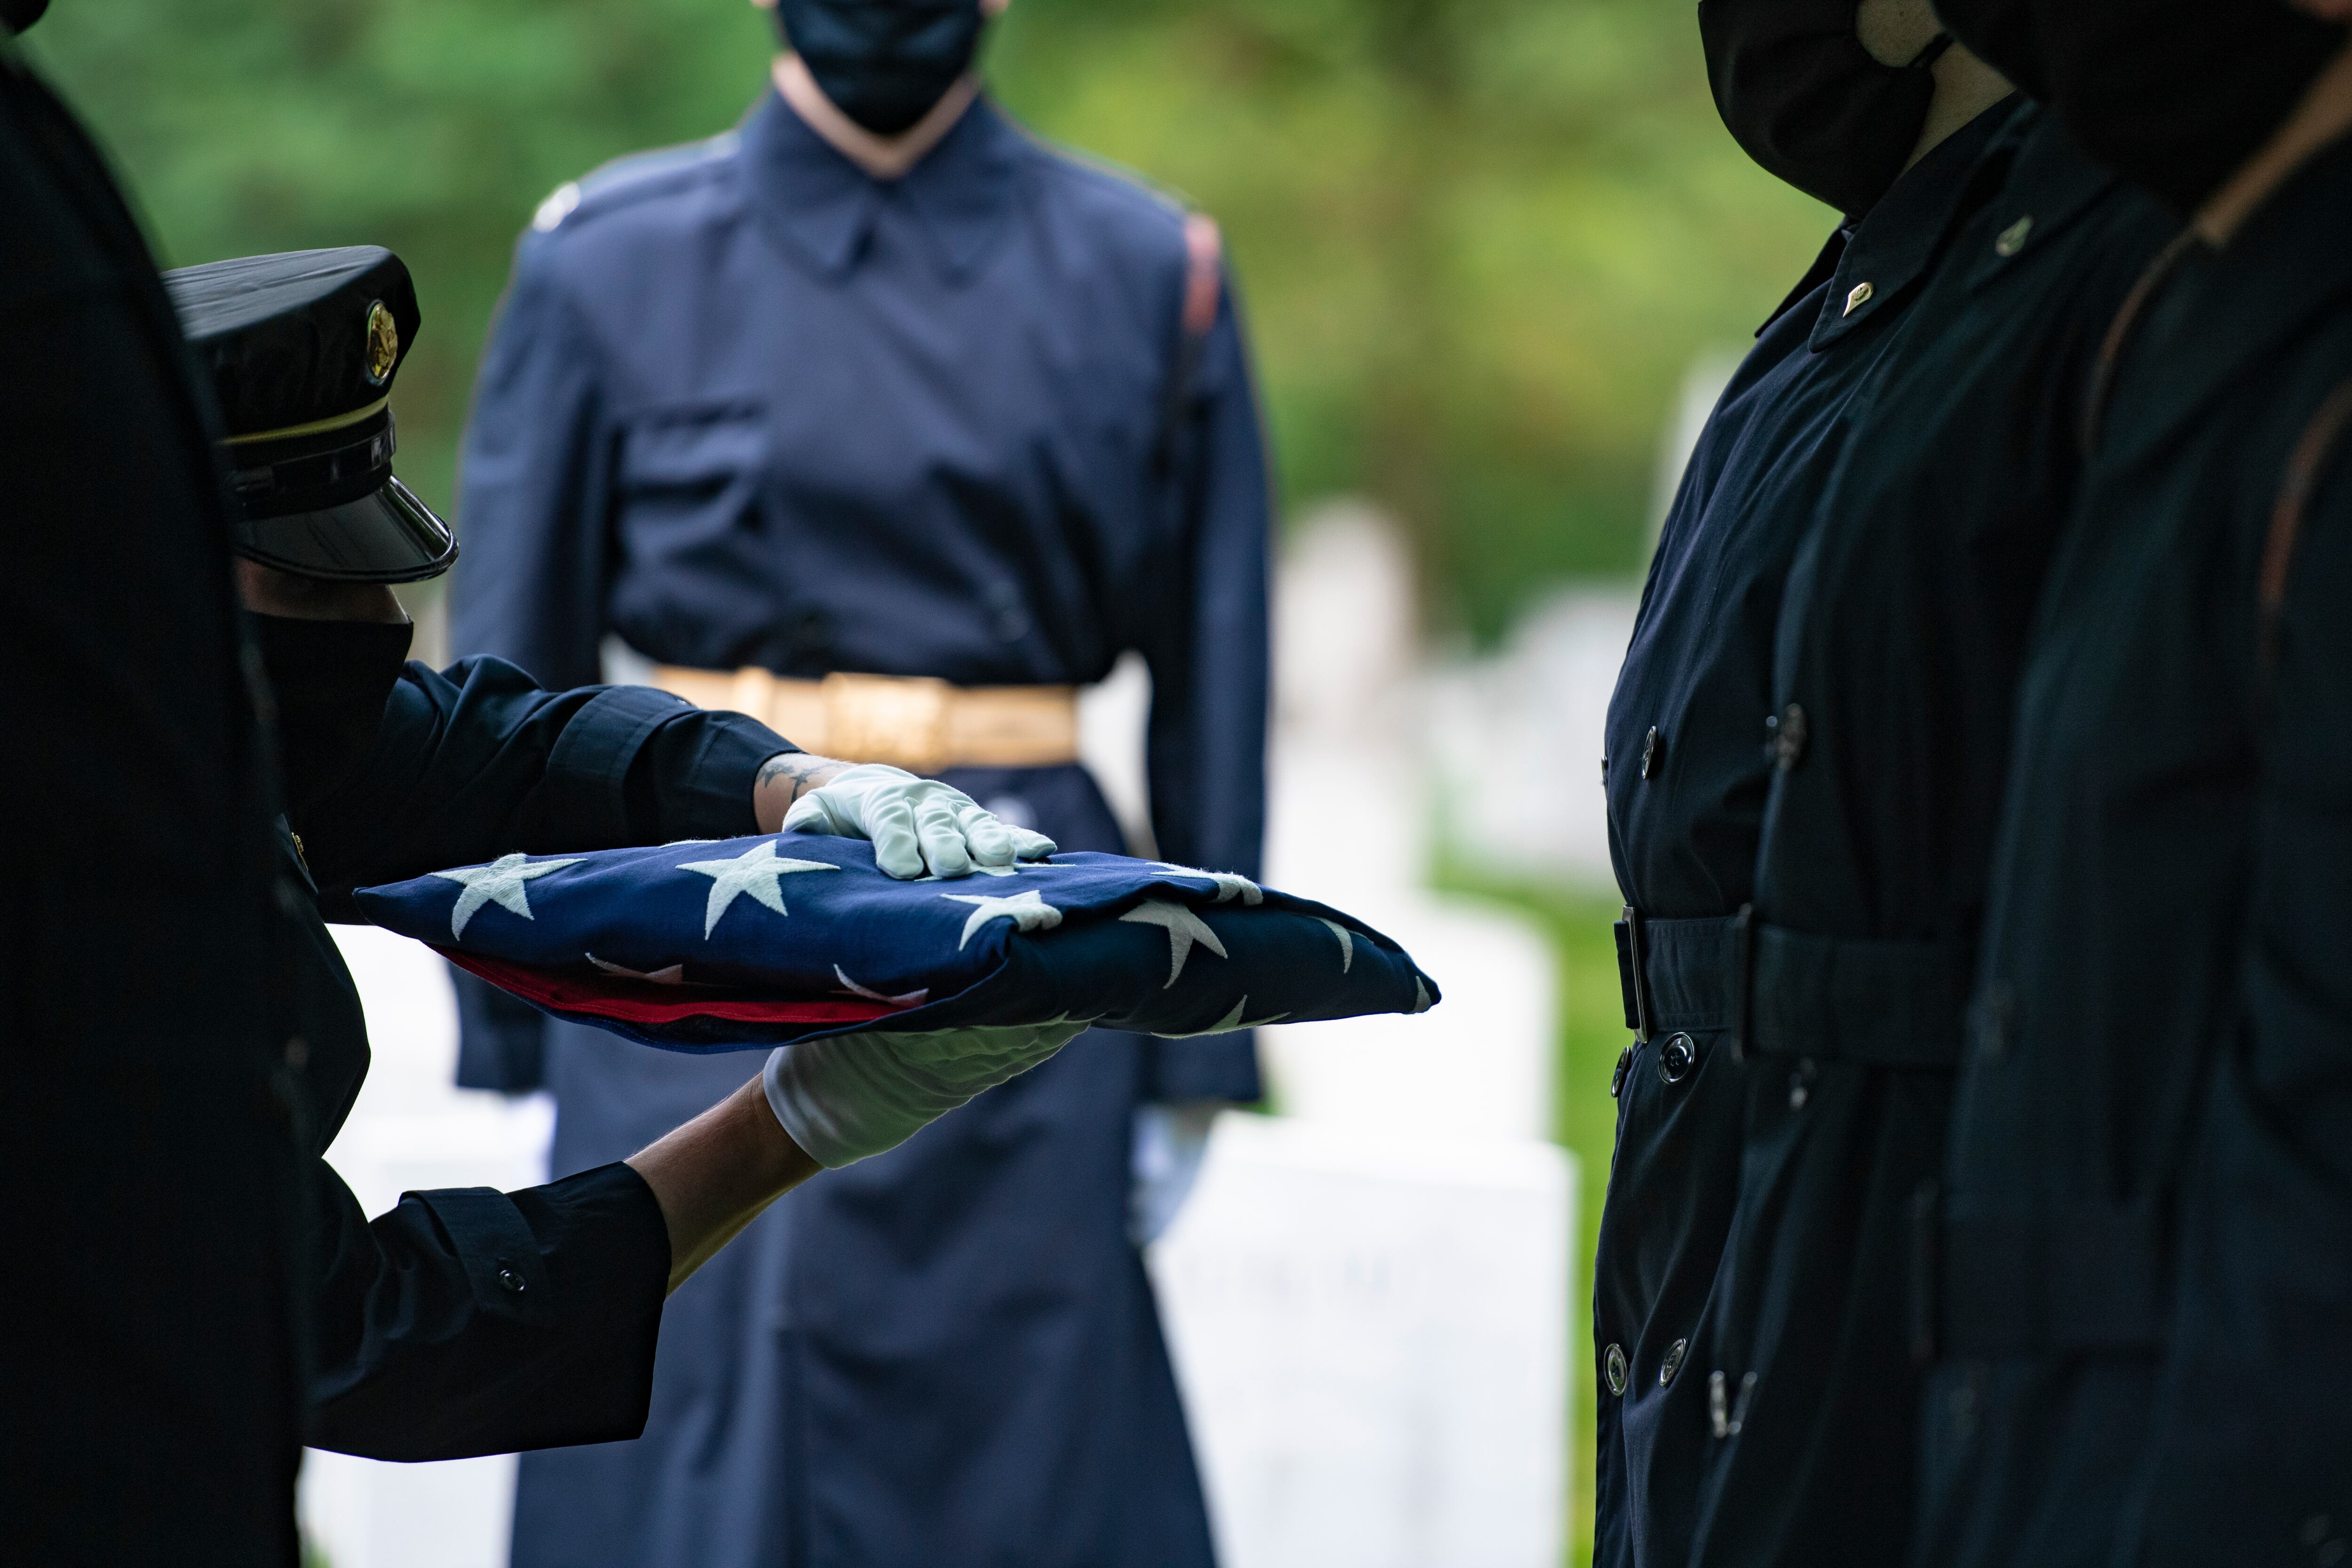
[1787, 993]
[2075, 1276]
[916, 722]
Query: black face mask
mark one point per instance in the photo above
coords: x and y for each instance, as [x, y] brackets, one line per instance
[16, 15]
[332, 679]
[2173, 95]
[884, 63]
[1804, 99]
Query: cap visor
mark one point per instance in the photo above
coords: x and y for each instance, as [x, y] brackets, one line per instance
[386, 536]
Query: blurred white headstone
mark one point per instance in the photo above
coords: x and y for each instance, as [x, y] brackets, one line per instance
[412, 1129]
[1518, 738]
[1112, 717]
[1371, 1335]
[1710, 370]
[1349, 819]
[1367, 1297]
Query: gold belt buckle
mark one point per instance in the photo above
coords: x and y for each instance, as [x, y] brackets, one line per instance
[896, 719]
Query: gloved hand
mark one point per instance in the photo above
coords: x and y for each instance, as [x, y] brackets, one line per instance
[848, 1096]
[916, 824]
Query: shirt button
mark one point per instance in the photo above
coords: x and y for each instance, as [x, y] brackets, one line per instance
[1857, 297]
[1676, 1057]
[511, 1281]
[2012, 240]
[1612, 1368]
[1673, 1361]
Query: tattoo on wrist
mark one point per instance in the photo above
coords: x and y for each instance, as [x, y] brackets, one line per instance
[801, 770]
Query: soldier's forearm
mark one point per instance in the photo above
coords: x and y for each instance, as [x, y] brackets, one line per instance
[783, 779]
[716, 1175]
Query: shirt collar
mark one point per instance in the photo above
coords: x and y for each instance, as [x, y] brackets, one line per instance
[824, 207]
[2052, 182]
[2230, 308]
[1899, 240]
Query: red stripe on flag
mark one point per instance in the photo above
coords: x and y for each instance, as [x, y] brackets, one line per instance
[639, 1002]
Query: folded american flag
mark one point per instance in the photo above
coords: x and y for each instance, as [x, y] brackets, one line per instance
[744, 943]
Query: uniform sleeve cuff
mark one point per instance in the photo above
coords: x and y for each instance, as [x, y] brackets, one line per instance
[603, 1239]
[692, 776]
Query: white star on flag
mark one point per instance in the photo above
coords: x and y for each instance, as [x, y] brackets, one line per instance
[672, 975]
[1229, 1023]
[906, 999]
[501, 883]
[1026, 910]
[754, 872]
[1184, 928]
[1230, 884]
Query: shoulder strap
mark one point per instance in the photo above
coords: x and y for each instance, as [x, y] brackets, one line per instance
[2151, 282]
[2304, 467]
[1204, 255]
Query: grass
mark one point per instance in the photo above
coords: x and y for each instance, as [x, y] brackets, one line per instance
[1584, 1118]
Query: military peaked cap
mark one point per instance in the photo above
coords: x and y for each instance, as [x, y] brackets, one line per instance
[301, 349]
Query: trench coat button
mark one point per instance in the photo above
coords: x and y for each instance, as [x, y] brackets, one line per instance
[1801, 1083]
[511, 1281]
[1784, 737]
[1617, 1078]
[2314, 1529]
[1649, 751]
[1857, 297]
[1673, 1361]
[1677, 1056]
[2012, 240]
[1612, 1368]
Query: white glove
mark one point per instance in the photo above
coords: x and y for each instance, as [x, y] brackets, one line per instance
[848, 1096]
[916, 825]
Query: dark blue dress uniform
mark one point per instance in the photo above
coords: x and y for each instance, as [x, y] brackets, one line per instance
[1786, 1115]
[2146, 1291]
[150, 1382]
[748, 405]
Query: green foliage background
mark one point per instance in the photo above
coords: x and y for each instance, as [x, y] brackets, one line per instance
[1479, 240]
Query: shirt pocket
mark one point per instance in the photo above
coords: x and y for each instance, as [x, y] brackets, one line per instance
[692, 478]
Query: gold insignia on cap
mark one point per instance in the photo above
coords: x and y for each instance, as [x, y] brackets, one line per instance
[382, 344]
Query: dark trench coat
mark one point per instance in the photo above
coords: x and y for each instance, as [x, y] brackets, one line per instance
[1827, 655]
[2147, 1260]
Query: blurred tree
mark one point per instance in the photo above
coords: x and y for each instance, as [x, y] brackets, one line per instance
[1480, 239]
